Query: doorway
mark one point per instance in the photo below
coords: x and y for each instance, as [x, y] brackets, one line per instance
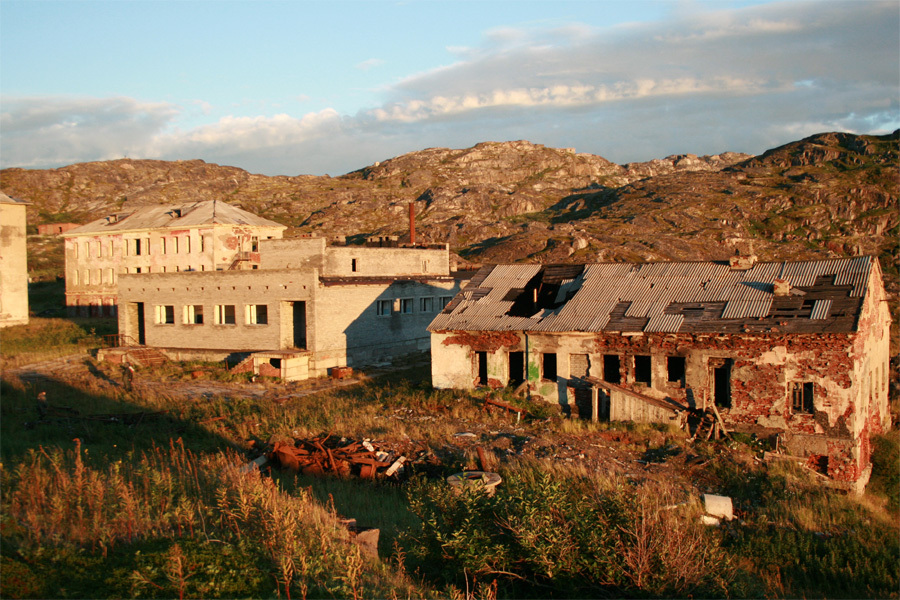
[298, 320]
[481, 359]
[134, 324]
[722, 383]
[516, 368]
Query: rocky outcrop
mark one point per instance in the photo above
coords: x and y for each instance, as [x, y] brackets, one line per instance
[827, 195]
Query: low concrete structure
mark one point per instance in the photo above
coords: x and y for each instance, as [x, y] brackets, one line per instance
[797, 349]
[343, 305]
[56, 228]
[13, 262]
[198, 236]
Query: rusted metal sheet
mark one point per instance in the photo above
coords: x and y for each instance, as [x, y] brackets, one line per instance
[341, 457]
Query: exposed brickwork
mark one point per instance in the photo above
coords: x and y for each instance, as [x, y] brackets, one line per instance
[487, 341]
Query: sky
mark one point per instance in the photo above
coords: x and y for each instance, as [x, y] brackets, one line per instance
[307, 87]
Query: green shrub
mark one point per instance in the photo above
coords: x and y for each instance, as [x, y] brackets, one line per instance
[541, 536]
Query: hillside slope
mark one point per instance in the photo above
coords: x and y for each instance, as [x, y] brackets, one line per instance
[831, 194]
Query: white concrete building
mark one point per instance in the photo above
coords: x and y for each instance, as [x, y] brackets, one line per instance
[199, 236]
[334, 305]
[13, 262]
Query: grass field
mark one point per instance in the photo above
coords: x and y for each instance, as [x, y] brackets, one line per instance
[149, 500]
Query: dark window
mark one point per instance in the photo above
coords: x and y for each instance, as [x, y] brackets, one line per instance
[548, 365]
[612, 370]
[676, 369]
[254, 243]
[802, 397]
[516, 368]
[642, 369]
[482, 368]
[722, 383]
[353, 265]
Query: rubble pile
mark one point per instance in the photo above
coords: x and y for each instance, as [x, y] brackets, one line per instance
[338, 456]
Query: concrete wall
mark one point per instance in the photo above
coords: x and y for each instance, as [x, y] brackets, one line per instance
[210, 289]
[340, 261]
[343, 324]
[293, 253]
[13, 266]
[352, 331]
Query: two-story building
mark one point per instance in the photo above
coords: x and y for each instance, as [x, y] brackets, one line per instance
[199, 236]
[309, 307]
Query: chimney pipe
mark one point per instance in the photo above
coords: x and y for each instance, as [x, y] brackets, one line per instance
[412, 223]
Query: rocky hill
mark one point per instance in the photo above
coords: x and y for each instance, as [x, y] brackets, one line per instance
[832, 194]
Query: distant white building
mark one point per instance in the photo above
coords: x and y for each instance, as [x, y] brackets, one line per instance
[13, 262]
[198, 236]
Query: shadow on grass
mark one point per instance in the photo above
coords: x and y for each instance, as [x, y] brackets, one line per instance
[109, 421]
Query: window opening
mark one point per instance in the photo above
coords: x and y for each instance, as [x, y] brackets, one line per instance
[481, 357]
[612, 371]
[165, 314]
[548, 365]
[516, 368]
[225, 314]
[257, 314]
[383, 307]
[802, 397]
[579, 365]
[193, 314]
[722, 383]
[426, 305]
[676, 369]
[642, 370]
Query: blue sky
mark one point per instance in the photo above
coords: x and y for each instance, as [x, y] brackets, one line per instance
[302, 87]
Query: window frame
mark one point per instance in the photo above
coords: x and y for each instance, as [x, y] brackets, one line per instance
[221, 314]
[252, 314]
[191, 314]
[384, 308]
[802, 397]
[165, 314]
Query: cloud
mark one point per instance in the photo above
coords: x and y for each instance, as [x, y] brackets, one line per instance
[370, 64]
[701, 82]
[40, 131]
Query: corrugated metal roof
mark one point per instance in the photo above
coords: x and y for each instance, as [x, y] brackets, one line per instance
[820, 310]
[209, 212]
[660, 297]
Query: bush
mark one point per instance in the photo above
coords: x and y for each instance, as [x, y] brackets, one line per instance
[543, 536]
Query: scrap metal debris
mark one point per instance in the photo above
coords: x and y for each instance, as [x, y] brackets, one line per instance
[340, 456]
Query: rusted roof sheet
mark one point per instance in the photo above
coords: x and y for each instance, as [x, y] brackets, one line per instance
[662, 297]
[177, 216]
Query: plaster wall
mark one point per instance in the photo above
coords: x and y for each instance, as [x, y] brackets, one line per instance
[94, 262]
[353, 330]
[340, 261]
[13, 266]
[232, 288]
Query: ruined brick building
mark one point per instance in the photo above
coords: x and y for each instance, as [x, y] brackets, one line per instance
[198, 236]
[309, 307]
[797, 349]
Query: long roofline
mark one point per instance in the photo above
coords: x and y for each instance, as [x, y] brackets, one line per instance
[818, 296]
[184, 215]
